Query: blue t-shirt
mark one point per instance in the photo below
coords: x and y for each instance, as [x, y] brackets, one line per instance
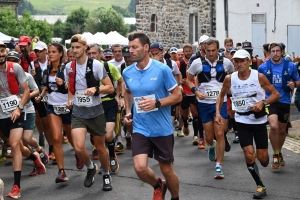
[156, 79]
[285, 97]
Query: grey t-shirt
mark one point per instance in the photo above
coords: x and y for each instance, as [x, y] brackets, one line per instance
[4, 89]
[29, 108]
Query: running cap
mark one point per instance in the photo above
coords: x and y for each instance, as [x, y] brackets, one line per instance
[2, 44]
[80, 39]
[24, 40]
[202, 39]
[247, 45]
[40, 46]
[125, 51]
[13, 54]
[156, 45]
[173, 50]
[232, 49]
[242, 54]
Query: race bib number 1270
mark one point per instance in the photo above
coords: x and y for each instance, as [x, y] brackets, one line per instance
[212, 93]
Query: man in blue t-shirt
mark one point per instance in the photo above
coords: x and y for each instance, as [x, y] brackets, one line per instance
[151, 89]
[283, 75]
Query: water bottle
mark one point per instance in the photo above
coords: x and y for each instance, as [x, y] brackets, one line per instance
[1, 190]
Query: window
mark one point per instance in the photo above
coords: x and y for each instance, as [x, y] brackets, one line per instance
[260, 18]
[193, 28]
[153, 24]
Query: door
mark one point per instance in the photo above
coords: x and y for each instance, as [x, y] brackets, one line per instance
[258, 34]
[293, 42]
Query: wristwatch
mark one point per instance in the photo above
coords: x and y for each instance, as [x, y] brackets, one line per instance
[97, 89]
[20, 107]
[265, 103]
[157, 103]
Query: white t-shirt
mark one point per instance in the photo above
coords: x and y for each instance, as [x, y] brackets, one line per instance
[213, 85]
[42, 65]
[56, 98]
[175, 69]
[116, 63]
[29, 108]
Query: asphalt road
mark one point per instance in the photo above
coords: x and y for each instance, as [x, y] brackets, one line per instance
[192, 166]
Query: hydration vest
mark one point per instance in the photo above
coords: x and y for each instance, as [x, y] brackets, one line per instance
[254, 63]
[169, 63]
[285, 74]
[11, 79]
[183, 68]
[111, 79]
[89, 76]
[205, 75]
[38, 71]
[60, 74]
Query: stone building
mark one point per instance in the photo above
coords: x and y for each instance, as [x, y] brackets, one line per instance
[13, 4]
[175, 22]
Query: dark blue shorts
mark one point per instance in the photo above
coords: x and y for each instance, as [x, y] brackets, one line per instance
[207, 111]
[66, 118]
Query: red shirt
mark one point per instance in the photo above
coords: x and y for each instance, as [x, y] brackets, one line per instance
[24, 62]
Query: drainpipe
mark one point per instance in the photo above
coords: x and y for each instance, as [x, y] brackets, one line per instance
[211, 18]
[226, 17]
[274, 17]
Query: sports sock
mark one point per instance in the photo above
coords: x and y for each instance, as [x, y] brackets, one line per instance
[105, 171]
[119, 139]
[157, 184]
[50, 149]
[200, 127]
[175, 198]
[276, 152]
[32, 157]
[17, 178]
[128, 135]
[111, 148]
[253, 169]
[195, 126]
[265, 164]
[90, 165]
[218, 164]
[185, 122]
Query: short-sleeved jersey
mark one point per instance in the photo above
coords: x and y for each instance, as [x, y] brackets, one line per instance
[24, 63]
[285, 97]
[155, 79]
[175, 69]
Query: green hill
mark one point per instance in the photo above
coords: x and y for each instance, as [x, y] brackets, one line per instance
[67, 6]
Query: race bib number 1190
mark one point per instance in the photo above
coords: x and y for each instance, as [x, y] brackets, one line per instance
[9, 103]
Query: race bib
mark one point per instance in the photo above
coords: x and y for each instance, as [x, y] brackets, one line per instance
[9, 103]
[45, 98]
[239, 103]
[60, 110]
[212, 93]
[139, 99]
[82, 99]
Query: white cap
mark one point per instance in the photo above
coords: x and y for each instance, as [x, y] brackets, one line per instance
[173, 50]
[40, 46]
[203, 38]
[179, 50]
[241, 54]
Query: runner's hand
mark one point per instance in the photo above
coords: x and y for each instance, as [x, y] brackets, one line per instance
[90, 91]
[38, 99]
[59, 81]
[200, 95]
[128, 119]
[15, 114]
[218, 119]
[69, 105]
[257, 107]
[146, 104]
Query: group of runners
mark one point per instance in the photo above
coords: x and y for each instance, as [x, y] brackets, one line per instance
[69, 94]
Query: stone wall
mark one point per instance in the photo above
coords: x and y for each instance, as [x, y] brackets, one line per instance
[12, 5]
[173, 27]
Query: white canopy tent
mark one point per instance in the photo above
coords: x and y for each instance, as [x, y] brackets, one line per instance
[6, 38]
[116, 38]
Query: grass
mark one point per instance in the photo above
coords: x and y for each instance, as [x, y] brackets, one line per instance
[67, 6]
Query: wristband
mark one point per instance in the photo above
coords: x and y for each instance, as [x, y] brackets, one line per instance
[295, 85]
[194, 89]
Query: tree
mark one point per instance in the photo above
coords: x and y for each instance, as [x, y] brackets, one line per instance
[26, 5]
[106, 20]
[8, 22]
[75, 23]
[124, 12]
[58, 28]
[131, 6]
[31, 27]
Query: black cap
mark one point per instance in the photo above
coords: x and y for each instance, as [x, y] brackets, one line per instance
[246, 45]
[125, 51]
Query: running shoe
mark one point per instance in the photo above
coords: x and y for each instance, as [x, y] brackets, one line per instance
[195, 141]
[128, 143]
[260, 193]
[52, 156]
[61, 177]
[275, 164]
[159, 193]
[227, 144]
[179, 133]
[89, 179]
[119, 148]
[212, 152]
[65, 139]
[107, 183]
[79, 163]
[8, 152]
[281, 161]
[40, 167]
[95, 155]
[15, 192]
[44, 157]
[201, 143]
[42, 140]
[219, 174]
[236, 140]
[114, 165]
[186, 131]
